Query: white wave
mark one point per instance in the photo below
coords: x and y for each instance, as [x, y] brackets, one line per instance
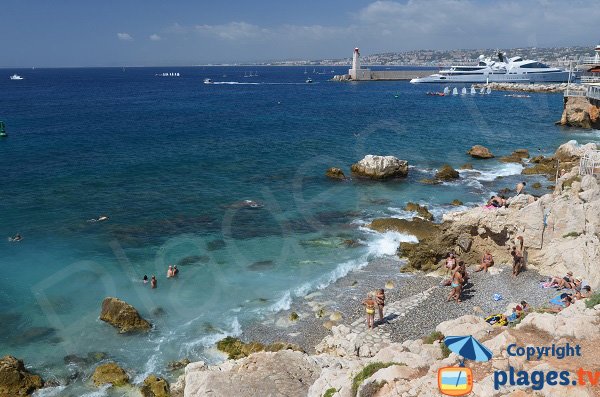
[49, 391]
[490, 175]
[283, 303]
[387, 243]
[207, 341]
[102, 392]
[340, 271]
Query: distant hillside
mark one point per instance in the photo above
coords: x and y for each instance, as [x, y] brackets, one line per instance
[557, 56]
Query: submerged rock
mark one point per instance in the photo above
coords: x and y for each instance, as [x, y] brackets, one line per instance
[155, 387]
[456, 202]
[480, 152]
[335, 173]
[177, 365]
[193, 259]
[447, 173]
[215, 245]
[123, 316]
[110, 373]
[466, 166]
[15, 380]
[380, 167]
[261, 265]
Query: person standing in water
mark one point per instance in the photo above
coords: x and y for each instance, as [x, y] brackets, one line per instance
[145, 279]
[369, 304]
[153, 283]
[170, 272]
[175, 271]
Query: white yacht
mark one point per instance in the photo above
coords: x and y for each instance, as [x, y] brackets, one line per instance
[505, 70]
[16, 77]
[208, 81]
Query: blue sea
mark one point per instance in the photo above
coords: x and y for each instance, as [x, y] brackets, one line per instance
[172, 162]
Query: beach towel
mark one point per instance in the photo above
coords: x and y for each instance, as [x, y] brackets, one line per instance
[497, 297]
[557, 301]
[496, 319]
[547, 284]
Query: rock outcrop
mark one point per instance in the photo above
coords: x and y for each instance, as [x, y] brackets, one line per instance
[480, 152]
[110, 373]
[579, 112]
[421, 210]
[155, 387]
[123, 316]
[284, 373]
[380, 167]
[516, 157]
[15, 380]
[447, 173]
[335, 173]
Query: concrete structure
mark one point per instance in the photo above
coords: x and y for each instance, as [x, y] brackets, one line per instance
[589, 67]
[357, 73]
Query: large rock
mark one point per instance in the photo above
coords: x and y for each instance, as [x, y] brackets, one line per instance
[572, 151]
[110, 373]
[516, 157]
[417, 227]
[284, 373]
[155, 387]
[447, 173]
[579, 112]
[574, 321]
[465, 325]
[380, 167]
[15, 380]
[421, 210]
[480, 152]
[123, 316]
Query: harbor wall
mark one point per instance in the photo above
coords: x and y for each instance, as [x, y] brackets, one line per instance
[381, 75]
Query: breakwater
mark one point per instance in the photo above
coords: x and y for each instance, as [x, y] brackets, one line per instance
[384, 75]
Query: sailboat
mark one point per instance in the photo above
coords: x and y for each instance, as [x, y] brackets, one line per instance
[454, 91]
[464, 91]
[446, 91]
[305, 72]
[246, 75]
[473, 90]
[488, 90]
[482, 90]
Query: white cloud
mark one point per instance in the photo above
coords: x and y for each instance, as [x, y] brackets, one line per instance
[124, 36]
[233, 31]
[155, 37]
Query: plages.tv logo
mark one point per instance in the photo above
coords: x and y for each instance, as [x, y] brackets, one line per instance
[458, 381]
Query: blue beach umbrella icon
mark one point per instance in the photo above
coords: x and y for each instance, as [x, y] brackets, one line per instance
[468, 347]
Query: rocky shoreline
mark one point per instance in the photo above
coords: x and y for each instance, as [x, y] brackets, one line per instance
[534, 87]
[331, 346]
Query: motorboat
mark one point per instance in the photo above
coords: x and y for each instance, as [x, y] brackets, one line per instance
[501, 70]
[309, 80]
[208, 81]
[16, 77]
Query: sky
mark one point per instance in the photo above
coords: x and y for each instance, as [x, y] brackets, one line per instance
[55, 33]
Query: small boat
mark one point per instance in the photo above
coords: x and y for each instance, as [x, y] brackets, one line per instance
[463, 91]
[305, 72]
[446, 91]
[3, 133]
[455, 91]
[309, 80]
[16, 77]
[482, 90]
[473, 90]
[488, 90]
[208, 81]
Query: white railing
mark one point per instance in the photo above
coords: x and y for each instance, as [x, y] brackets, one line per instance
[579, 91]
[593, 92]
[589, 60]
[590, 163]
[590, 79]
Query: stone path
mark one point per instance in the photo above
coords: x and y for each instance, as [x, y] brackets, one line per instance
[371, 341]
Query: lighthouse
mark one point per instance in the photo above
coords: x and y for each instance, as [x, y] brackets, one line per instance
[356, 59]
[356, 73]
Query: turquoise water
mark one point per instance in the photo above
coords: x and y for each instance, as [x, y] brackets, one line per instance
[171, 161]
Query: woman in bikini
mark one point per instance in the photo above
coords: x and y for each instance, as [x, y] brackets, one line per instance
[456, 284]
[450, 262]
[369, 304]
[486, 262]
[380, 299]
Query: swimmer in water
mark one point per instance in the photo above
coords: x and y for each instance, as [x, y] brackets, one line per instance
[170, 272]
[16, 238]
[145, 279]
[153, 283]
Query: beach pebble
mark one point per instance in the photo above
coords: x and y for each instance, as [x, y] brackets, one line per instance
[389, 285]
